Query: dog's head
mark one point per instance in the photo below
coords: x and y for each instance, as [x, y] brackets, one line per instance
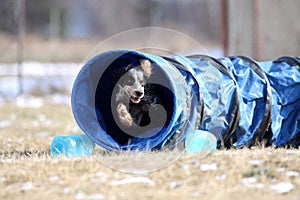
[133, 81]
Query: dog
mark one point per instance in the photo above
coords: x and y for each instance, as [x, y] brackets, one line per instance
[133, 104]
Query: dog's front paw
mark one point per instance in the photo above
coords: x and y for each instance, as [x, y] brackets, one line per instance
[124, 115]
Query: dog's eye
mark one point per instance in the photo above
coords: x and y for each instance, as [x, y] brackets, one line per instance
[143, 83]
[130, 81]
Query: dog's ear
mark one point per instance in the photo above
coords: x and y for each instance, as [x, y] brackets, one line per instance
[146, 66]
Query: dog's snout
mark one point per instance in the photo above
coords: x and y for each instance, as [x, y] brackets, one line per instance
[138, 93]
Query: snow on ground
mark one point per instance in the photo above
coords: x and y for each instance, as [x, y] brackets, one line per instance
[31, 68]
[39, 79]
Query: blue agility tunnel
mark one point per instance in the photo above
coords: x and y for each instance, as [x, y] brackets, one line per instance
[240, 101]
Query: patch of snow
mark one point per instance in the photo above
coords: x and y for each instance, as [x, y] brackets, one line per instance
[80, 195]
[221, 177]
[35, 123]
[60, 99]
[281, 169]
[174, 185]
[255, 162]
[96, 180]
[43, 134]
[96, 196]
[31, 68]
[2, 179]
[66, 190]
[292, 173]
[25, 101]
[26, 186]
[41, 78]
[186, 167]
[249, 180]
[282, 187]
[54, 178]
[101, 174]
[5, 123]
[208, 166]
[9, 160]
[252, 183]
[42, 117]
[100, 177]
[21, 140]
[196, 194]
[134, 180]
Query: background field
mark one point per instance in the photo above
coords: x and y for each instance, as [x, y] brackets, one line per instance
[29, 172]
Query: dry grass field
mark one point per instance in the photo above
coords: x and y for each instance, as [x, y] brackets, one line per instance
[27, 170]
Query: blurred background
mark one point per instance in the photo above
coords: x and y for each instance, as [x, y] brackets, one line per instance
[43, 42]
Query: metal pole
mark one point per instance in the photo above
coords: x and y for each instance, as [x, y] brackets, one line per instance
[55, 22]
[256, 29]
[21, 30]
[224, 25]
